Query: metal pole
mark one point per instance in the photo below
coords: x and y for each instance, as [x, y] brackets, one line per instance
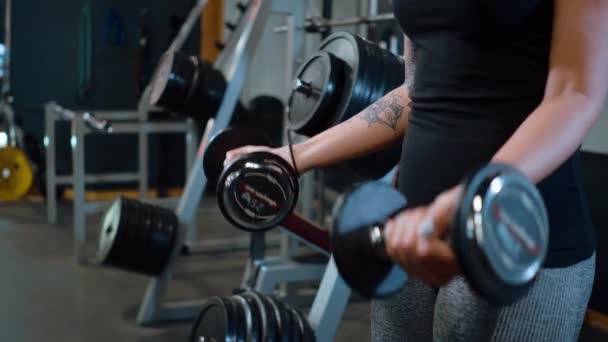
[51, 170]
[6, 81]
[78, 165]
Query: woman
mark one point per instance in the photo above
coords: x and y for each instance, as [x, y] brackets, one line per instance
[518, 82]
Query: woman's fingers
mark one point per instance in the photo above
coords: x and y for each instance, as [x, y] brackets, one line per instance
[237, 152]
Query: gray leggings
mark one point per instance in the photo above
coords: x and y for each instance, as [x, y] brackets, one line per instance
[553, 310]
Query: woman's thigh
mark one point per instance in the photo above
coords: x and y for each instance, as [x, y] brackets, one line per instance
[406, 316]
[553, 309]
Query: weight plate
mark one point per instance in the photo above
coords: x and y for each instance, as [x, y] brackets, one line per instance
[108, 238]
[137, 237]
[253, 317]
[257, 192]
[316, 93]
[172, 89]
[186, 85]
[500, 233]
[356, 258]
[297, 325]
[141, 248]
[287, 321]
[160, 78]
[308, 334]
[241, 320]
[226, 140]
[283, 324]
[217, 322]
[269, 320]
[16, 175]
[259, 322]
[116, 236]
[163, 236]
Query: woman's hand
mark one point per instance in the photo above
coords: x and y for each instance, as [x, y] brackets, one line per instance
[282, 152]
[428, 258]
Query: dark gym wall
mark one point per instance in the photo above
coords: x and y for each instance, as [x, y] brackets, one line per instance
[45, 62]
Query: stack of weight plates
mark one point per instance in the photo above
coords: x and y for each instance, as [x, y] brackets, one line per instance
[250, 316]
[137, 237]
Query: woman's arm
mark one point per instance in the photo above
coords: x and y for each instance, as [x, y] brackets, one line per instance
[575, 92]
[375, 128]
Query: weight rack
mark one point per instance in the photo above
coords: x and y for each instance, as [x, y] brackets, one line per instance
[123, 122]
[234, 63]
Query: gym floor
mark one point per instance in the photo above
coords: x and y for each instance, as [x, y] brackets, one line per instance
[45, 296]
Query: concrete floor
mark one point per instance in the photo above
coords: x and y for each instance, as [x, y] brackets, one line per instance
[45, 296]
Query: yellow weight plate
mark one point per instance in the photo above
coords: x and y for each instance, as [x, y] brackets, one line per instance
[15, 174]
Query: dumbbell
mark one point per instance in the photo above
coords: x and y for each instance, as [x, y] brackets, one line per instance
[255, 192]
[499, 233]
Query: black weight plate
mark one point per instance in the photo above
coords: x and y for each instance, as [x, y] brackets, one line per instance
[283, 324]
[257, 192]
[130, 210]
[110, 237]
[287, 321]
[122, 217]
[316, 94]
[368, 205]
[308, 334]
[269, 320]
[258, 317]
[474, 260]
[241, 320]
[216, 322]
[345, 46]
[163, 237]
[297, 325]
[143, 246]
[207, 93]
[226, 140]
[172, 82]
[252, 319]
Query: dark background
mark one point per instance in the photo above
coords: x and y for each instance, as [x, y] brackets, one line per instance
[45, 63]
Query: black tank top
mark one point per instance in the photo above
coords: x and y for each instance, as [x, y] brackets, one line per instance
[481, 69]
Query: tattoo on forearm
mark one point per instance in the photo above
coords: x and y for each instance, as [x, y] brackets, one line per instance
[386, 111]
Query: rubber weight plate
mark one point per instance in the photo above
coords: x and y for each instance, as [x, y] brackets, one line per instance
[257, 191]
[283, 323]
[217, 322]
[163, 236]
[308, 334]
[362, 208]
[500, 233]
[137, 237]
[252, 317]
[16, 175]
[298, 325]
[268, 318]
[186, 85]
[287, 321]
[241, 319]
[226, 140]
[316, 93]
